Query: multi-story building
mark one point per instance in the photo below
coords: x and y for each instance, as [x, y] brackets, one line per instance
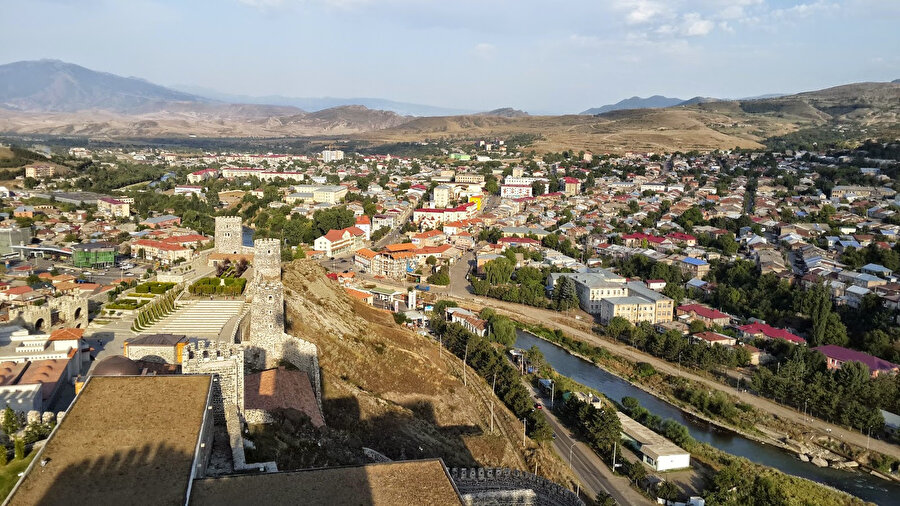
[339, 242]
[515, 191]
[94, 254]
[572, 186]
[113, 207]
[329, 194]
[469, 178]
[39, 171]
[695, 267]
[607, 294]
[332, 155]
[164, 252]
[442, 195]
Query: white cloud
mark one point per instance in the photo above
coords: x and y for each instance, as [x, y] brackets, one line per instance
[485, 51]
[694, 25]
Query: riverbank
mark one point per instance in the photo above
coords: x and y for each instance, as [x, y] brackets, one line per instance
[799, 481]
[764, 428]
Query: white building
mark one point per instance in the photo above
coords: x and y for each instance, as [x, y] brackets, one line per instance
[332, 155]
[515, 191]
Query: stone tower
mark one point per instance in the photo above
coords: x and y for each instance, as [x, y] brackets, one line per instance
[229, 234]
[266, 312]
[267, 259]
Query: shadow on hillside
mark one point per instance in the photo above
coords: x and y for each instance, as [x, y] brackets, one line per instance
[406, 435]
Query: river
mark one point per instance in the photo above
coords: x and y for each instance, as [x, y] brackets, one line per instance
[862, 485]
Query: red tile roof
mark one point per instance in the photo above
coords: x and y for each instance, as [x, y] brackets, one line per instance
[771, 332]
[705, 312]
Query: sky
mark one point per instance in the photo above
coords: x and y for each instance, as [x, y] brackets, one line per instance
[551, 56]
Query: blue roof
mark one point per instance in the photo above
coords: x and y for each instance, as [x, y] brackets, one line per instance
[875, 268]
[694, 261]
[161, 219]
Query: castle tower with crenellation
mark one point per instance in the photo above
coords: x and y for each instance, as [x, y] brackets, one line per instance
[229, 235]
[267, 259]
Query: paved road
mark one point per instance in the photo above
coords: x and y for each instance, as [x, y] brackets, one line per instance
[593, 473]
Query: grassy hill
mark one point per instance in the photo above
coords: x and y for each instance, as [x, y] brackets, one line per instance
[864, 110]
[392, 390]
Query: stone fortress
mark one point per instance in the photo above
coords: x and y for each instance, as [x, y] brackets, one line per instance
[260, 342]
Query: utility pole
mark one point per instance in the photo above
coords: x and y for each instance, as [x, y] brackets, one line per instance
[572, 447]
[614, 457]
[552, 390]
[465, 357]
[493, 391]
[492, 416]
[868, 432]
[524, 428]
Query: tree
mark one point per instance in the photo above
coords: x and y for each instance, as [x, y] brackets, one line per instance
[565, 296]
[635, 471]
[667, 490]
[503, 330]
[498, 270]
[441, 277]
[19, 448]
[431, 260]
[10, 422]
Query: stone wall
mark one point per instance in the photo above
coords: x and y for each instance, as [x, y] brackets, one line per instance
[157, 353]
[501, 486]
[229, 235]
[223, 360]
[234, 426]
[65, 311]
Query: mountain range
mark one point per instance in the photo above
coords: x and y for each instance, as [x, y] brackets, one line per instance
[58, 98]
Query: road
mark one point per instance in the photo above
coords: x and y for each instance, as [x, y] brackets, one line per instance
[593, 473]
[459, 291]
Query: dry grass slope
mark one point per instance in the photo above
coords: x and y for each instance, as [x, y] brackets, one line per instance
[395, 390]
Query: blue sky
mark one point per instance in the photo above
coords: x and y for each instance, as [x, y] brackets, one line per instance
[553, 56]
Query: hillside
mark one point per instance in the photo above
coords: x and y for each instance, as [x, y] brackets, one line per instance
[392, 390]
[872, 109]
[505, 112]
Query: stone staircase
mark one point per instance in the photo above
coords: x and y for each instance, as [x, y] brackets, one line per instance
[200, 318]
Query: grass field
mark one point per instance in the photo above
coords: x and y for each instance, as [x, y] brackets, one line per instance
[9, 474]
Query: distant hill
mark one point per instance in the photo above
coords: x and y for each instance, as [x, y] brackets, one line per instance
[703, 125]
[654, 102]
[504, 112]
[698, 100]
[313, 104]
[58, 98]
[55, 86]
